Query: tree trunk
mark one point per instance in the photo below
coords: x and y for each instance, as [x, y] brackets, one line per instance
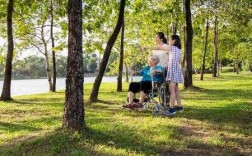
[48, 69]
[174, 29]
[6, 93]
[237, 66]
[204, 54]
[104, 62]
[53, 52]
[215, 65]
[126, 72]
[120, 73]
[219, 67]
[184, 35]
[74, 107]
[251, 67]
[188, 42]
[174, 26]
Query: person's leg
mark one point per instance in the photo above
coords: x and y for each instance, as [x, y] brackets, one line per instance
[142, 97]
[134, 87]
[172, 88]
[144, 88]
[178, 96]
[131, 96]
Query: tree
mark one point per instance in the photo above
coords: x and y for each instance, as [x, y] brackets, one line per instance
[53, 51]
[73, 118]
[188, 45]
[34, 30]
[92, 63]
[204, 53]
[29, 67]
[216, 54]
[6, 93]
[120, 69]
[103, 64]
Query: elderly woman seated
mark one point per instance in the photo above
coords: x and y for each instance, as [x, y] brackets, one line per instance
[145, 85]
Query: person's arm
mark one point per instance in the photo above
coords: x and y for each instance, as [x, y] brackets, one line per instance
[159, 70]
[138, 72]
[165, 48]
[141, 72]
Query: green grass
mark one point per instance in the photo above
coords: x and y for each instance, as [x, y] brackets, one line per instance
[217, 121]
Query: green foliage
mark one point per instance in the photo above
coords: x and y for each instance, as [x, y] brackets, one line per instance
[143, 19]
[35, 67]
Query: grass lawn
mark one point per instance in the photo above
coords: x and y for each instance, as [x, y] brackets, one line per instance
[217, 120]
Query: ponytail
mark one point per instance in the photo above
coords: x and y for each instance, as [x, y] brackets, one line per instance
[161, 35]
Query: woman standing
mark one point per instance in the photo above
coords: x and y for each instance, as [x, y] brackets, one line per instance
[161, 41]
[174, 71]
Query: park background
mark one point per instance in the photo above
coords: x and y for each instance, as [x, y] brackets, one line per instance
[217, 60]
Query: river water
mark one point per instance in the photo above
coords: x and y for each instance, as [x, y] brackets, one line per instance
[35, 86]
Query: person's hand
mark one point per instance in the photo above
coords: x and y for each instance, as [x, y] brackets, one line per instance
[158, 72]
[142, 48]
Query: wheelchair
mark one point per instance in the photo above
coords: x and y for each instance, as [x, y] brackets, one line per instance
[159, 96]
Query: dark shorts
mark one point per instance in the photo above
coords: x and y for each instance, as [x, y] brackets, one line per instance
[136, 87]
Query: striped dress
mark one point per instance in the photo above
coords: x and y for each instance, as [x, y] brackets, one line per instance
[174, 72]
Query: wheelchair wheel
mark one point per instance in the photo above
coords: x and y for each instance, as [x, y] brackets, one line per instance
[164, 96]
[156, 110]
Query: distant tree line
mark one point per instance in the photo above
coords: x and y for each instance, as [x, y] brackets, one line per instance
[34, 66]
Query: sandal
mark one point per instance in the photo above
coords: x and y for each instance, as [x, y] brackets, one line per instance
[138, 105]
[131, 106]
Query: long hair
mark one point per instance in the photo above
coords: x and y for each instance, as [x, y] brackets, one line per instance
[161, 35]
[177, 41]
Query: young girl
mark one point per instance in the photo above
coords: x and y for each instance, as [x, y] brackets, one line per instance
[174, 71]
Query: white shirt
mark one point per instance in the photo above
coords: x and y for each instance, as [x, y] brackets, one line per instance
[162, 55]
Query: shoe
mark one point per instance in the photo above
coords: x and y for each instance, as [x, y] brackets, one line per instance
[170, 112]
[138, 105]
[179, 109]
[130, 106]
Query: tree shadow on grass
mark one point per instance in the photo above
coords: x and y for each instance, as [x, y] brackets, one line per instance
[90, 142]
[230, 115]
[14, 127]
[199, 144]
[30, 101]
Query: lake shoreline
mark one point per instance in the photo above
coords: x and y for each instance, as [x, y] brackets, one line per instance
[36, 86]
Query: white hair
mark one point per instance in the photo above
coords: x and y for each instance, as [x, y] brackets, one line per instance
[154, 57]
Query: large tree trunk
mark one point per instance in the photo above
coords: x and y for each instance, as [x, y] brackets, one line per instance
[120, 73]
[53, 51]
[188, 42]
[48, 69]
[6, 93]
[204, 53]
[215, 65]
[104, 62]
[74, 107]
